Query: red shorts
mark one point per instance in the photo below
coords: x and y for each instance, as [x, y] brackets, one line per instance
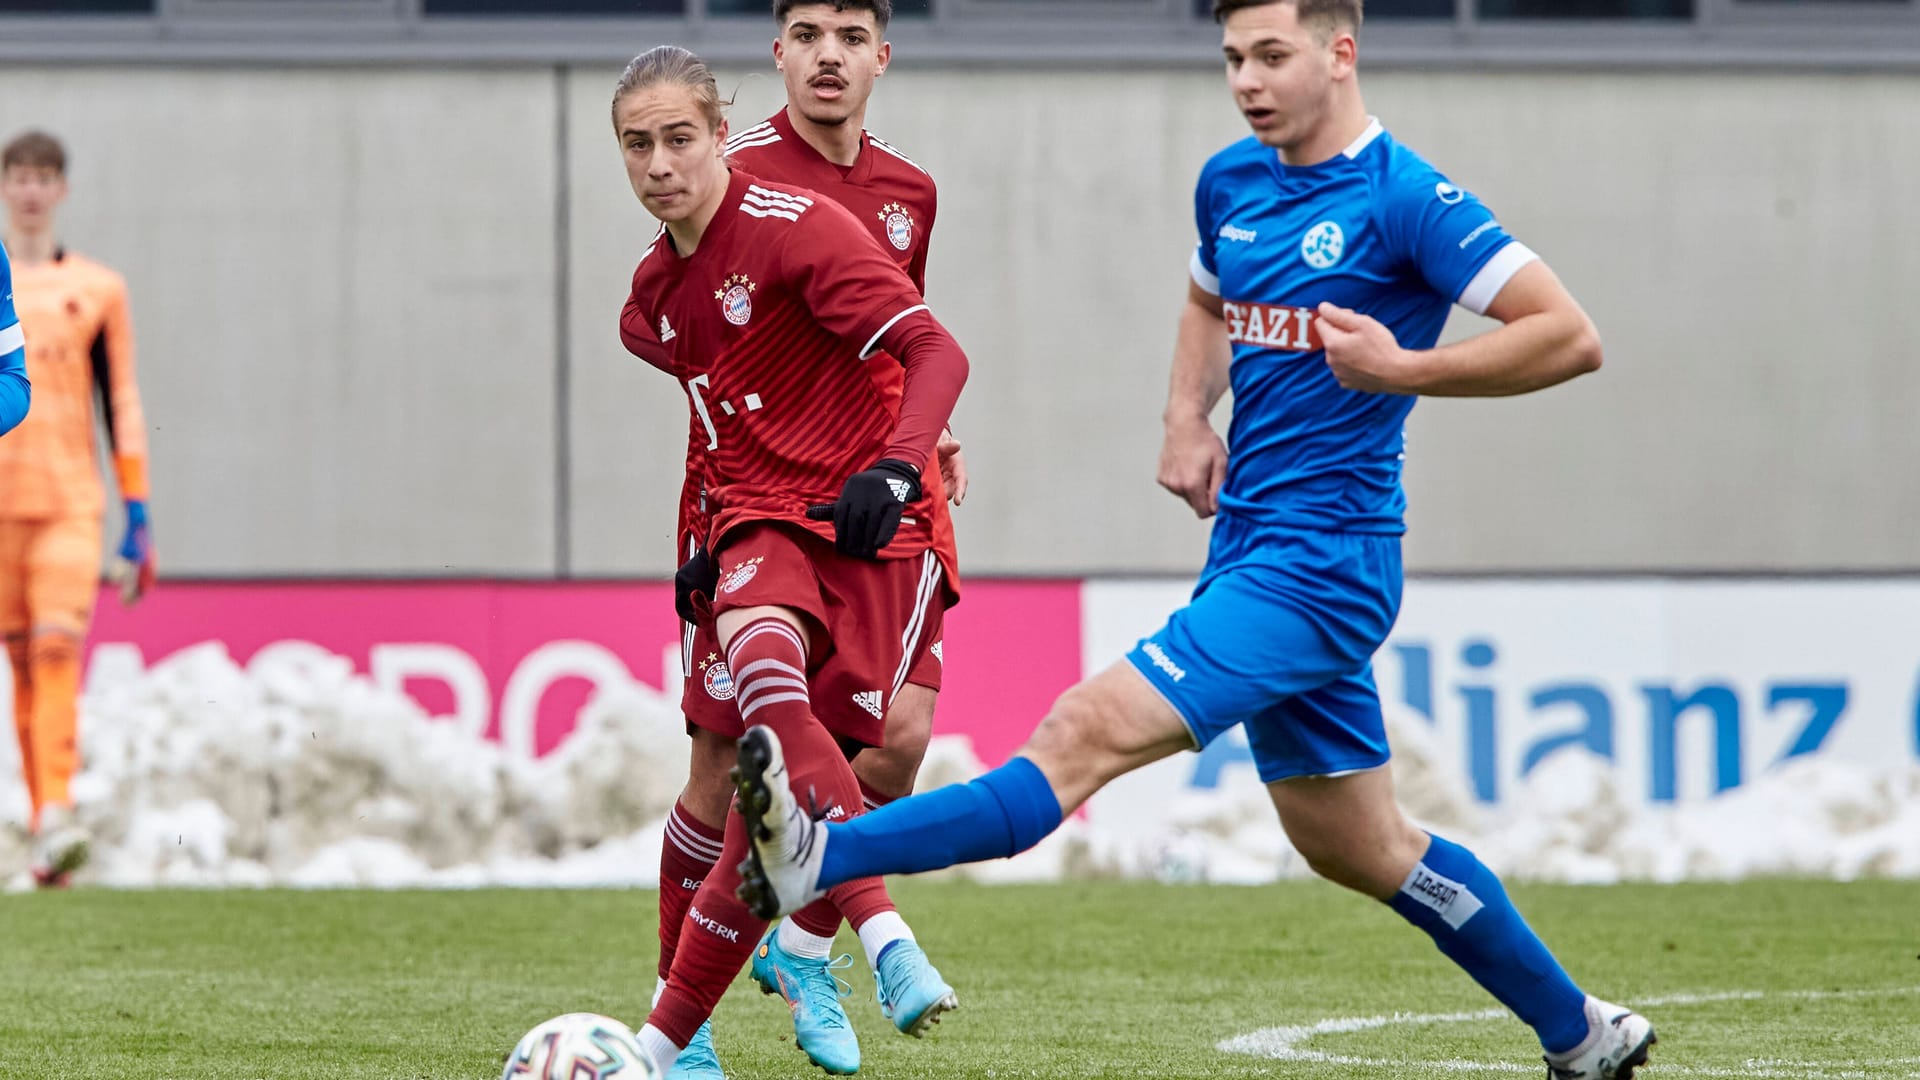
[877, 626]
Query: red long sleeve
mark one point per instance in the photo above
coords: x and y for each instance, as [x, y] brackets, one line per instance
[639, 337]
[936, 370]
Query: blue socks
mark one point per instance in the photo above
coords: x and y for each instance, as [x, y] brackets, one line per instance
[1461, 905]
[1002, 813]
[1449, 894]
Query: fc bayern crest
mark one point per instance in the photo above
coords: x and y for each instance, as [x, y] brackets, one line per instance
[738, 577]
[719, 681]
[736, 299]
[899, 225]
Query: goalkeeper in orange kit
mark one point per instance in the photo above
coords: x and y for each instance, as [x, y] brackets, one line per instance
[73, 312]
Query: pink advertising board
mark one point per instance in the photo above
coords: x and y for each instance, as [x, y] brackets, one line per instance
[514, 661]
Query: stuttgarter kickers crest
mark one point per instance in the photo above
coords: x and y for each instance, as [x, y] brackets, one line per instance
[1323, 245]
[898, 224]
[738, 577]
[736, 299]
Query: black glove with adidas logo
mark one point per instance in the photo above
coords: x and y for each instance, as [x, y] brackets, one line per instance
[867, 514]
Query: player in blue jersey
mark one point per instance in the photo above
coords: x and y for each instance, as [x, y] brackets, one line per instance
[15, 393]
[1329, 258]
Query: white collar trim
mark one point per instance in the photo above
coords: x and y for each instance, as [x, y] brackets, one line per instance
[1374, 131]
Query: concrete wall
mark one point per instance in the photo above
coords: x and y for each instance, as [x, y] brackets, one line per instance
[343, 295]
[356, 313]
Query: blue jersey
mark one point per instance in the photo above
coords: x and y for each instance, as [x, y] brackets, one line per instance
[1375, 229]
[14, 391]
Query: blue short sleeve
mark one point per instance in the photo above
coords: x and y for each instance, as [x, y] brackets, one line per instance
[14, 389]
[1452, 238]
[1204, 267]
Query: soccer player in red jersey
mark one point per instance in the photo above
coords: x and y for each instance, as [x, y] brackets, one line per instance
[766, 301]
[830, 55]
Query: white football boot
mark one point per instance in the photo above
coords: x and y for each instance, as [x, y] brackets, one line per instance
[782, 867]
[1617, 1043]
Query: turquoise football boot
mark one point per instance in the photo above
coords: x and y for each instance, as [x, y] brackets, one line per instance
[698, 1061]
[912, 994]
[812, 992]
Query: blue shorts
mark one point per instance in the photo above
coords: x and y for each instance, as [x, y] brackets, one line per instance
[1280, 636]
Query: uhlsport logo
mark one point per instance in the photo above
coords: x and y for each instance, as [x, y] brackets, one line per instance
[738, 577]
[1440, 891]
[1447, 193]
[1451, 900]
[898, 224]
[1481, 230]
[718, 679]
[1323, 245]
[736, 299]
[1238, 234]
[1162, 661]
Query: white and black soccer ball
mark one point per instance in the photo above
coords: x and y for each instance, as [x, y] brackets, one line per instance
[580, 1046]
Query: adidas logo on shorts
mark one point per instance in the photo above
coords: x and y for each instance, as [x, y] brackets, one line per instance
[870, 701]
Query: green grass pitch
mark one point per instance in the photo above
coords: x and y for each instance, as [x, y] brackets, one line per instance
[1780, 979]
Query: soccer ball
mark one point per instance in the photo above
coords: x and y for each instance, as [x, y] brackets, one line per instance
[580, 1046]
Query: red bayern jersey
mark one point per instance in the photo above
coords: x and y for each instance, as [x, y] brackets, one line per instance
[896, 200]
[768, 325]
[643, 341]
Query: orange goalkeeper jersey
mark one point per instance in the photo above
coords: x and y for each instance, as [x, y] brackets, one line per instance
[79, 347]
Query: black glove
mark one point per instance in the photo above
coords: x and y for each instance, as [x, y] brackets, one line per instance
[867, 514]
[697, 575]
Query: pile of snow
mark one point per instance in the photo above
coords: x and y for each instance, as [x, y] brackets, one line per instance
[297, 771]
[1808, 818]
[1574, 821]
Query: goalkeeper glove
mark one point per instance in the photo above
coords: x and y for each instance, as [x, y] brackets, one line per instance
[867, 513]
[133, 565]
[694, 582]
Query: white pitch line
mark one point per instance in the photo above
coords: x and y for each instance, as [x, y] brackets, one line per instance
[1284, 1043]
